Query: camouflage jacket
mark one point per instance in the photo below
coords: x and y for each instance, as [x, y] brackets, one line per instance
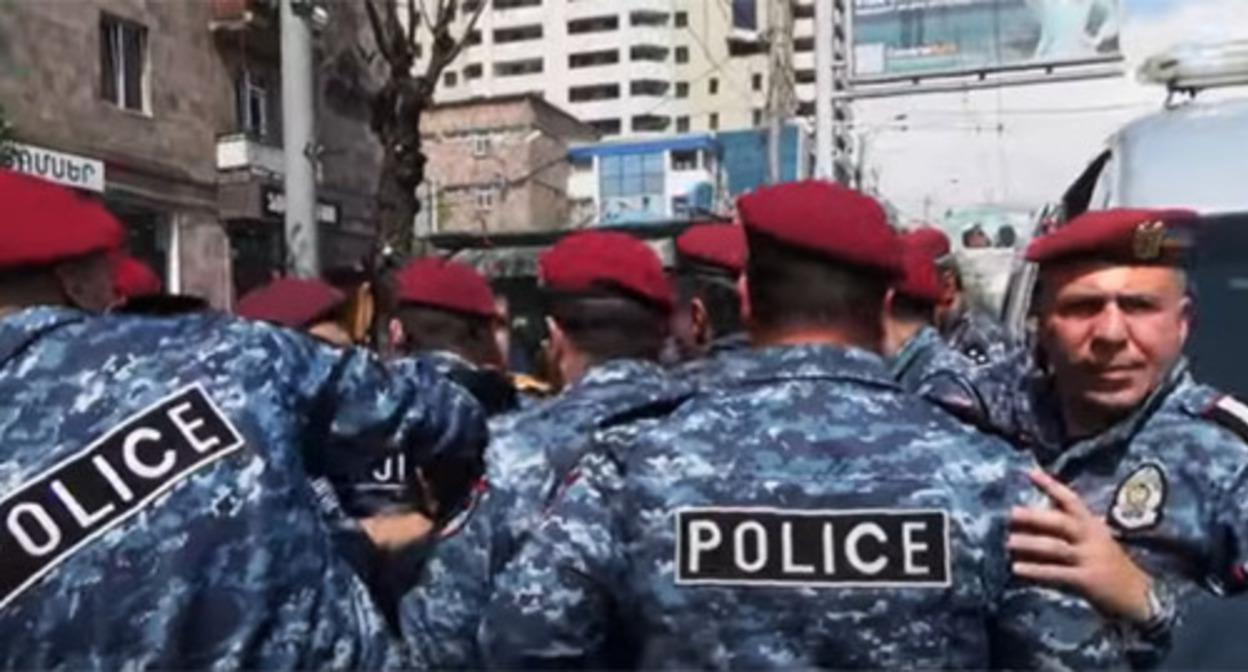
[157, 491]
[529, 455]
[977, 336]
[924, 356]
[729, 534]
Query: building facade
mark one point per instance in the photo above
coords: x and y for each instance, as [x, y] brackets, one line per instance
[498, 165]
[170, 112]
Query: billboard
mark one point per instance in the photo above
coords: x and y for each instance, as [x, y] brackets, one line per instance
[926, 37]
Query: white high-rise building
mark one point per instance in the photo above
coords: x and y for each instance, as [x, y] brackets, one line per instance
[630, 67]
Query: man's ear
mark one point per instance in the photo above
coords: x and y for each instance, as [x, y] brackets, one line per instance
[700, 322]
[87, 283]
[398, 337]
[743, 289]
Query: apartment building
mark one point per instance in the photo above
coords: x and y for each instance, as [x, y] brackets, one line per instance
[170, 112]
[637, 68]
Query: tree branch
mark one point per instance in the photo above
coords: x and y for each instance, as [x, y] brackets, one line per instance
[442, 55]
[379, 33]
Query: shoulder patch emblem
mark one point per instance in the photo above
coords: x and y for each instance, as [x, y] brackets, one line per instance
[1139, 499]
[1232, 414]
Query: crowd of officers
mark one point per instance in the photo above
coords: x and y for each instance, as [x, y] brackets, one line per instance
[800, 448]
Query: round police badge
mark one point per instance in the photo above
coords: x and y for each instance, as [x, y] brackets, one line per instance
[1139, 499]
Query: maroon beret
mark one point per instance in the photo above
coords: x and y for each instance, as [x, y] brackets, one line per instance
[930, 240]
[720, 245]
[1129, 236]
[919, 279]
[43, 223]
[291, 302]
[827, 219]
[449, 285]
[598, 260]
[132, 278]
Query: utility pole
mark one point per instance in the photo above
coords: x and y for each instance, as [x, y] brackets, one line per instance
[779, 83]
[299, 139]
[824, 63]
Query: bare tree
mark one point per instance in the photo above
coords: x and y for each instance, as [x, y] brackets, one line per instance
[398, 106]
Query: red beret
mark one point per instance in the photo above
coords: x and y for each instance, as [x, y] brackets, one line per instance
[597, 260]
[43, 223]
[920, 279]
[721, 245]
[290, 302]
[1129, 236]
[444, 284]
[930, 240]
[826, 218]
[132, 277]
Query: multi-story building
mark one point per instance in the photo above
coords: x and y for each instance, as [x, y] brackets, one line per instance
[498, 165]
[641, 67]
[170, 111]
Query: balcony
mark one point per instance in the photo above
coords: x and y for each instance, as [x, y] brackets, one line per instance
[241, 151]
[232, 15]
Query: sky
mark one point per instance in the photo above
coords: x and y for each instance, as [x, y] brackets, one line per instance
[1021, 147]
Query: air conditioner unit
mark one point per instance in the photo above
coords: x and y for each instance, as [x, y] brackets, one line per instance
[1193, 67]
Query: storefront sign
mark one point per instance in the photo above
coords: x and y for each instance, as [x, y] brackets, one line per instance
[67, 169]
[273, 201]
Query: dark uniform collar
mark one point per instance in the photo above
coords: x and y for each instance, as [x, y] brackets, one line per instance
[19, 330]
[814, 362]
[908, 356]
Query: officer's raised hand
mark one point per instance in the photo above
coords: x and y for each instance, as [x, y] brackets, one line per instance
[1070, 546]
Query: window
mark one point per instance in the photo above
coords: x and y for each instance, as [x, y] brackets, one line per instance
[590, 59]
[647, 87]
[607, 126]
[682, 89]
[473, 38]
[650, 123]
[685, 159]
[528, 66]
[483, 198]
[713, 86]
[596, 24]
[123, 63]
[682, 19]
[682, 54]
[758, 117]
[254, 100]
[513, 4]
[518, 34]
[803, 10]
[450, 79]
[756, 82]
[469, 6]
[481, 146]
[804, 76]
[473, 71]
[582, 94]
[631, 175]
[713, 122]
[745, 14]
[647, 19]
[803, 44]
[682, 124]
[647, 53]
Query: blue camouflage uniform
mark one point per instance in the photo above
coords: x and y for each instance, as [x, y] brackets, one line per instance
[926, 356]
[981, 338]
[712, 364]
[644, 561]
[160, 502]
[530, 453]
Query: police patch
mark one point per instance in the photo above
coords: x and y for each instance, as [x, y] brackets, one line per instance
[1139, 499]
[63, 509]
[842, 549]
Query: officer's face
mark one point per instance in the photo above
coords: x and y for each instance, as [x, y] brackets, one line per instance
[1112, 332]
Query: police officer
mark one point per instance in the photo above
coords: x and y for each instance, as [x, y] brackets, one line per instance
[915, 349]
[972, 333]
[709, 261]
[157, 507]
[1158, 461]
[810, 513]
[305, 304]
[447, 312]
[608, 304]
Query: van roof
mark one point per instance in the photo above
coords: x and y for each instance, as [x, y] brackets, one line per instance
[1187, 156]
